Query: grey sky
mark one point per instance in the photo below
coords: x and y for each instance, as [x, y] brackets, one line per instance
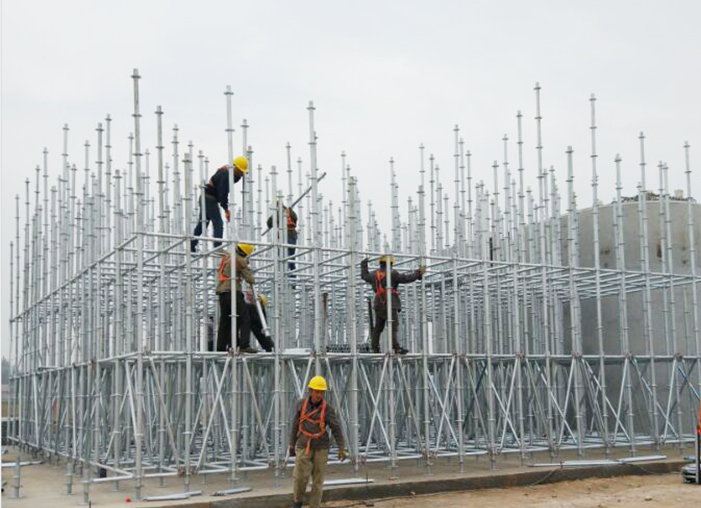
[385, 77]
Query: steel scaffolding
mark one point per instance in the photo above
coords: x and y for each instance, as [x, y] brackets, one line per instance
[533, 329]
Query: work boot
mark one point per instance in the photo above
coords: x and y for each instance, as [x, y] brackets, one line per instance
[401, 351]
[297, 505]
[248, 349]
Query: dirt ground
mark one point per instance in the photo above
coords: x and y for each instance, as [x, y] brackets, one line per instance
[622, 492]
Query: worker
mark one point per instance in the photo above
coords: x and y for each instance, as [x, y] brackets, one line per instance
[256, 324]
[379, 284]
[243, 320]
[287, 219]
[216, 192]
[309, 442]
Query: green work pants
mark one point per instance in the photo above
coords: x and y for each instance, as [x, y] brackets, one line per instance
[313, 465]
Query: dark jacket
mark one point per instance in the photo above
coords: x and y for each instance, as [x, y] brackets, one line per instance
[218, 186]
[379, 281]
[287, 218]
[299, 440]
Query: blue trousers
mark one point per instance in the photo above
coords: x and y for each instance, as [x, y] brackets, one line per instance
[211, 209]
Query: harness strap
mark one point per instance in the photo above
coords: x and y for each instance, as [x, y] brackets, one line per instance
[380, 289]
[290, 223]
[221, 275]
[309, 417]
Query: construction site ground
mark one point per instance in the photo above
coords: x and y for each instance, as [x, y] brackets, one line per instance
[653, 484]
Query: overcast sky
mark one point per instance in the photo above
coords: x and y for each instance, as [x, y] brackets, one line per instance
[385, 77]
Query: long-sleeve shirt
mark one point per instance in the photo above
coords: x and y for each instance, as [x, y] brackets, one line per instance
[218, 186]
[243, 271]
[331, 420]
[377, 280]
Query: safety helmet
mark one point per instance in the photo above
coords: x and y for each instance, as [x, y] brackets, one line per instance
[385, 259]
[241, 162]
[245, 249]
[318, 383]
[263, 299]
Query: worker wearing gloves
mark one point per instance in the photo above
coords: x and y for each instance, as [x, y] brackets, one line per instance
[309, 442]
[379, 284]
[216, 193]
[243, 321]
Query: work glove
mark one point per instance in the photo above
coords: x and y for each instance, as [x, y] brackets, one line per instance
[342, 454]
[422, 270]
[227, 214]
[293, 452]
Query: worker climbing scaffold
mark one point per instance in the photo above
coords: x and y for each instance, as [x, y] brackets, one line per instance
[216, 193]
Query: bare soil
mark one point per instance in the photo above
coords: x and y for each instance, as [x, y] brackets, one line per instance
[622, 492]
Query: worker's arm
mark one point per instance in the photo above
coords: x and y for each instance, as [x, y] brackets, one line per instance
[364, 273]
[220, 182]
[294, 429]
[244, 271]
[406, 277]
[335, 426]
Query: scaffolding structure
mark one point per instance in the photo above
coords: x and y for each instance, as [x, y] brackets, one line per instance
[513, 347]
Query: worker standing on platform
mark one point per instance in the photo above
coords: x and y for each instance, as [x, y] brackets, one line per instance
[287, 219]
[309, 442]
[216, 193]
[379, 283]
[243, 320]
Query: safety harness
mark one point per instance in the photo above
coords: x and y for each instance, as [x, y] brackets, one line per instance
[380, 290]
[291, 223]
[221, 273]
[309, 417]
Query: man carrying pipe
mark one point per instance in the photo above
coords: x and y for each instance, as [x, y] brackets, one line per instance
[379, 284]
[216, 192]
[309, 442]
[243, 321]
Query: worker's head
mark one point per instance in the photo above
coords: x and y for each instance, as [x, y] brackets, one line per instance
[317, 387]
[241, 165]
[386, 259]
[263, 299]
[244, 249]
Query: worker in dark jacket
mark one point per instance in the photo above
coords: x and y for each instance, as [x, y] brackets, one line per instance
[243, 320]
[379, 284]
[309, 442]
[216, 193]
[287, 220]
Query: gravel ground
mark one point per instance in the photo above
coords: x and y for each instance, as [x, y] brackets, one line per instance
[622, 492]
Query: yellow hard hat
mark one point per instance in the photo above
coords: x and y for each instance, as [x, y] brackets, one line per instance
[386, 259]
[318, 383]
[263, 299]
[245, 249]
[241, 162]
